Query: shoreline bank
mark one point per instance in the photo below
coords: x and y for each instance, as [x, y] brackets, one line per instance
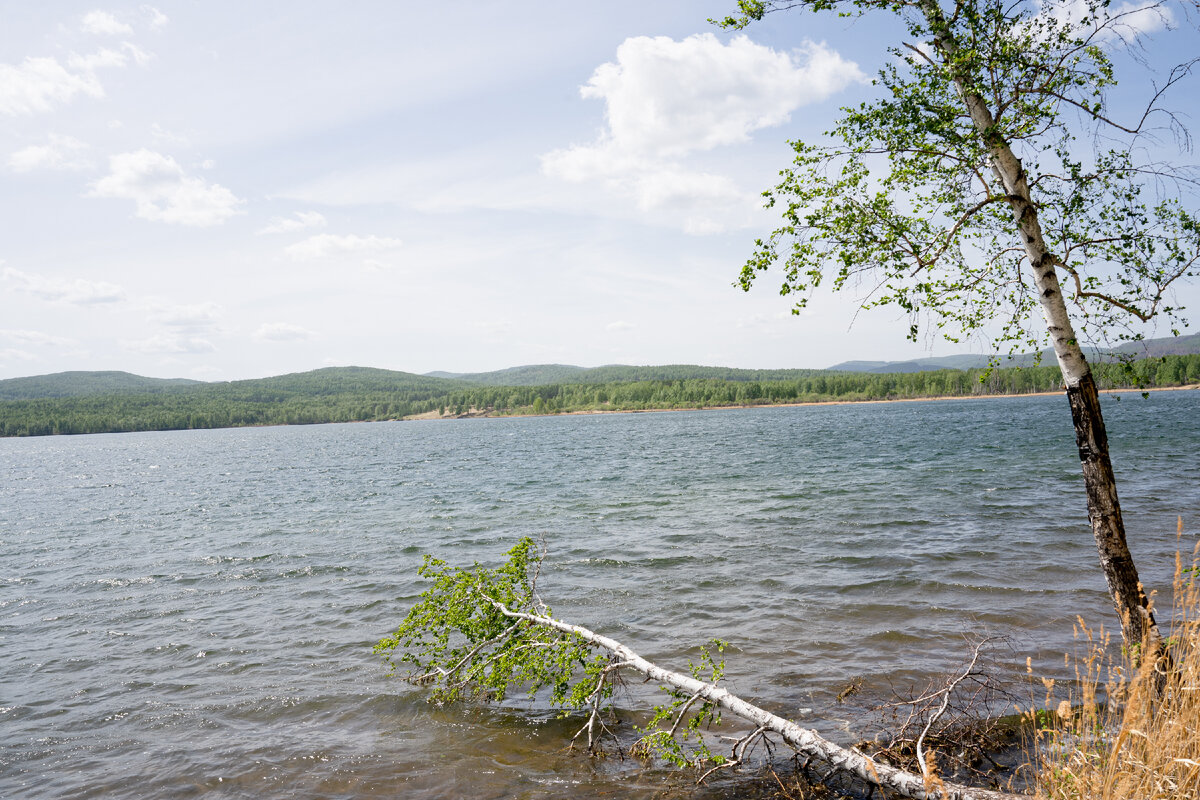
[484, 414]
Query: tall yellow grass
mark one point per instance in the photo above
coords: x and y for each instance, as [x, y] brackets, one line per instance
[1126, 731]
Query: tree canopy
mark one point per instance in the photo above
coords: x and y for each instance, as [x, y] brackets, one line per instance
[906, 195]
[989, 171]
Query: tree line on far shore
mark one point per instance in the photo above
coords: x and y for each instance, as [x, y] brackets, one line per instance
[355, 395]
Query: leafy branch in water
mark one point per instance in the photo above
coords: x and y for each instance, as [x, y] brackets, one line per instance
[687, 722]
[481, 633]
[461, 641]
[457, 641]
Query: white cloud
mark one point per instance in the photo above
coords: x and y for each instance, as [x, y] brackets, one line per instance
[9, 355]
[281, 332]
[192, 317]
[163, 192]
[301, 221]
[703, 226]
[1115, 25]
[666, 100]
[59, 152]
[36, 84]
[156, 19]
[102, 23]
[35, 338]
[168, 343]
[163, 136]
[56, 290]
[676, 188]
[619, 325]
[324, 245]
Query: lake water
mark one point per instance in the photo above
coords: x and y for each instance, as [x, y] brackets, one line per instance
[190, 614]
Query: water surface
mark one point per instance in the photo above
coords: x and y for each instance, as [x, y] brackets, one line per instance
[190, 614]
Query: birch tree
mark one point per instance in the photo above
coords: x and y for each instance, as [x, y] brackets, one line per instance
[484, 633]
[990, 183]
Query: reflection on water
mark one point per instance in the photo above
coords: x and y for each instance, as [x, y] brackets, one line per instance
[190, 614]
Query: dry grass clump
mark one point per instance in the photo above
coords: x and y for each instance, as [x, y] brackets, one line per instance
[1127, 731]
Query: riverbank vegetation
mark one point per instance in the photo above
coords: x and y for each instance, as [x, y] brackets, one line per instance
[354, 394]
[1124, 729]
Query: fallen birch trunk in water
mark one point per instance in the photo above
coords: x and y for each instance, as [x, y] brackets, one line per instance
[469, 637]
[803, 740]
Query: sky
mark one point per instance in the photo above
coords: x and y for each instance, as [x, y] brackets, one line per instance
[223, 190]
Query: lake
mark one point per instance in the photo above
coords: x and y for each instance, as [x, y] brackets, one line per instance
[190, 614]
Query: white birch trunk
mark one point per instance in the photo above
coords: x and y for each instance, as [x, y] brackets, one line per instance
[1104, 509]
[803, 740]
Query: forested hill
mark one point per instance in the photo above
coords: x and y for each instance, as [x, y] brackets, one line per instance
[545, 374]
[334, 394]
[79, 384]
[1148, 348]
[354, 394]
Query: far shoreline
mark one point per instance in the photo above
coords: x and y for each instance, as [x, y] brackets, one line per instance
[477, 414]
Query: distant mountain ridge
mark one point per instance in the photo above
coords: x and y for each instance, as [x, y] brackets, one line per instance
[547, 374]
[1148, 348]
[82, 384]
[321, 382]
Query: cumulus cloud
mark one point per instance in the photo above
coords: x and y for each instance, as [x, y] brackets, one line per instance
[666, 100]
[163, 192]
[102, 23]
[37, 84]
[282, 332]
[669, 98]
[58, 290]
[619, 325]
[325, 245]
[300, 221]
[677, 188]
[59, 152]
[170, 343]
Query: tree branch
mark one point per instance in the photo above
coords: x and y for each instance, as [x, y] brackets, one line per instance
[803, 740]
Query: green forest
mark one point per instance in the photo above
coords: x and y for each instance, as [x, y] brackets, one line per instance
[71, 403]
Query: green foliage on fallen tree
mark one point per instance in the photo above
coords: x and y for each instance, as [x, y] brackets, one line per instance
[458, 642]
[482, 633]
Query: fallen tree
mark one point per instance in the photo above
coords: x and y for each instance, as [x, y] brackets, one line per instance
[483, 633]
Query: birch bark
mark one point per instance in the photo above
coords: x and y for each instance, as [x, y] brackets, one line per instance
[804, 740]
[1104, 508]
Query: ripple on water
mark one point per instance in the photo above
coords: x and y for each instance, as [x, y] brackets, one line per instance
[204, 628]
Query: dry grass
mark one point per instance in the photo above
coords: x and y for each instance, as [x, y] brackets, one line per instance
[1126, 731]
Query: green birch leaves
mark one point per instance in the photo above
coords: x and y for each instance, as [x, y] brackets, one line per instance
[901, 201]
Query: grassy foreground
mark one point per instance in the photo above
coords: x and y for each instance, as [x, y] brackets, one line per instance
[1144, 742]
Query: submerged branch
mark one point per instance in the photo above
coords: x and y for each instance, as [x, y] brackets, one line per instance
[803, 740]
